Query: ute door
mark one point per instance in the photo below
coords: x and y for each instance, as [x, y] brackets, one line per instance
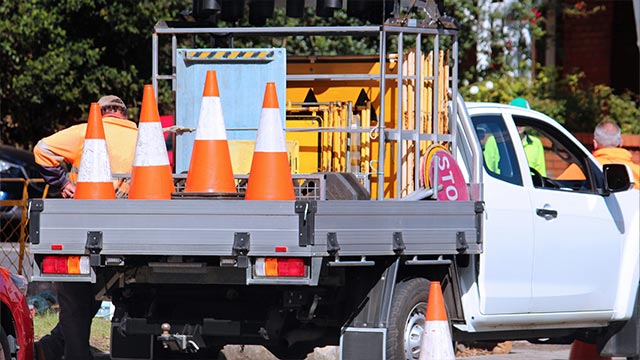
[504, 277]
[577, 249]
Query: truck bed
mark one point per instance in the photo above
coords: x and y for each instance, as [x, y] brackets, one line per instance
[298, 228]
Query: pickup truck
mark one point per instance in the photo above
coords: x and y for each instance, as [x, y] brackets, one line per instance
[530, 255]
[559, 258]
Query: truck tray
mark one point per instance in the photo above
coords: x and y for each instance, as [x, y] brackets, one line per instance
[208, 227]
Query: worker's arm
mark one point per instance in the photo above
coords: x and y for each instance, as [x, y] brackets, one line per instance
[491, 155]
[52, 151]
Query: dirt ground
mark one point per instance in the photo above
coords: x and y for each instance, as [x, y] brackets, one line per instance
[237, 352]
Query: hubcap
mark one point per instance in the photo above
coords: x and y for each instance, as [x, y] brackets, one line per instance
[413, 331]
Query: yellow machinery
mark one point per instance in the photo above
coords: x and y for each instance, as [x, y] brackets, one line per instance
[341, 115]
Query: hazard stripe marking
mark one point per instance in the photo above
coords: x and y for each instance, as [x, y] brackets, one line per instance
[230, 55]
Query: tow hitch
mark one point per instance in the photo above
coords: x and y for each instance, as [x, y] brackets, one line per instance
[186, 341]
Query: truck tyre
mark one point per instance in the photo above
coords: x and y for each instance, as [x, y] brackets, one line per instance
[4, 345]
[406, 321]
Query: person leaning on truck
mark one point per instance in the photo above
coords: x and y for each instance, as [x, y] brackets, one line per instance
[65, 146]
[78, 305]
[607, 149]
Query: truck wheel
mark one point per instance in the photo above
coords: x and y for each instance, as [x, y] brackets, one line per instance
[406, 321]
[4, 346]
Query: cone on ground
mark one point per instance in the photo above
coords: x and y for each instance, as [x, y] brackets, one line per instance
[151, 176]
[210, 168]
[270, 176]
[436, 341]
[581, 350]
[94, 175]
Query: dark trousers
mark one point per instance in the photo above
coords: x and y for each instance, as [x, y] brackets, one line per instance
[70, 337]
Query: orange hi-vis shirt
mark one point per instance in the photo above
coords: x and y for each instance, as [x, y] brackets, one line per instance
[66, 146]
[618, 156]
[605, 156]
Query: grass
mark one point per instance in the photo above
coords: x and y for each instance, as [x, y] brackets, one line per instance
[100, 329]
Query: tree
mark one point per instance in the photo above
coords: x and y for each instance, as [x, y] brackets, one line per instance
[59, 56]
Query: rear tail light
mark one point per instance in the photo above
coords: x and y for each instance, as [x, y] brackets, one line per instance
[273, 267]
[75, 265]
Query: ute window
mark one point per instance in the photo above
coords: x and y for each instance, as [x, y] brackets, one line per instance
[497, 148]
[558, 164]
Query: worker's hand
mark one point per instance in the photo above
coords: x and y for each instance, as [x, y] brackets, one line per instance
[68, 190]
[178, 130]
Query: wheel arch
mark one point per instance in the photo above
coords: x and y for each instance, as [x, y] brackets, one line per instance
[447, 275]
[6, 320]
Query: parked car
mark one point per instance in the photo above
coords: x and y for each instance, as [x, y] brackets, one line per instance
[16, 323]
[16, 164]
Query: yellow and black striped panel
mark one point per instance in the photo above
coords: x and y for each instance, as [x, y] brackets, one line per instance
[227, 55]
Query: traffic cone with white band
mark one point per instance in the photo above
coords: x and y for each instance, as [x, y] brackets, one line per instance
[94, 175]
[270, 175]
[436, 339]
[210, 168]
[151, 177]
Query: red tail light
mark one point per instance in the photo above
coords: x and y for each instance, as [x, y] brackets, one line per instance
[66, 265]
[274, 267]
[290, 267]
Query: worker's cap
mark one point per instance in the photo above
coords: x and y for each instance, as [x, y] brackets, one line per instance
[111, 100]
[521, 102]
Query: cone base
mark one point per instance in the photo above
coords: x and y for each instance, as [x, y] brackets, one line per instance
[270, 177]
[95, 191]
[210, 169]
[151, 183]
[208, 195]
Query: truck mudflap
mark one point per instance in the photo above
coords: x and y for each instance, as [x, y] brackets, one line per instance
[626, 341]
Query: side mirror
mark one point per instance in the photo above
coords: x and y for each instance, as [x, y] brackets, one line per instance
[617, 177]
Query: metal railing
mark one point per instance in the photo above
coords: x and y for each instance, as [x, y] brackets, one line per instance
[14, 221]
[408, 135]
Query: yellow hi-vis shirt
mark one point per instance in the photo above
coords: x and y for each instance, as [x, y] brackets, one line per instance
[533, 149]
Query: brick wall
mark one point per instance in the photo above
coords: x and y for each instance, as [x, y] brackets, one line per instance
[587, 42]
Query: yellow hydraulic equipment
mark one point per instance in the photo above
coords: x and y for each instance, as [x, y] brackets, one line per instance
[338, 126]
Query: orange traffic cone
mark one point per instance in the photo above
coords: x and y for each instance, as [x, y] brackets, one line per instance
[94, 176]
[436, 341]
[151, 176]
[270, 176]
[581, 350]
[210, 168]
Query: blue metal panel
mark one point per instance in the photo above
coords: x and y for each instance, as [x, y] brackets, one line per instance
[242, 77]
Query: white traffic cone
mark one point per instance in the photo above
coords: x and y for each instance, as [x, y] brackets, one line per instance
[210, 169]
[94, 175]
[151, 177]
[436, 339]
[270, 176]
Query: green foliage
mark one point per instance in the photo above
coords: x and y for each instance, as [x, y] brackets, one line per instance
[312, 45]
[570, 100]
[59, 56]
[505, 28]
